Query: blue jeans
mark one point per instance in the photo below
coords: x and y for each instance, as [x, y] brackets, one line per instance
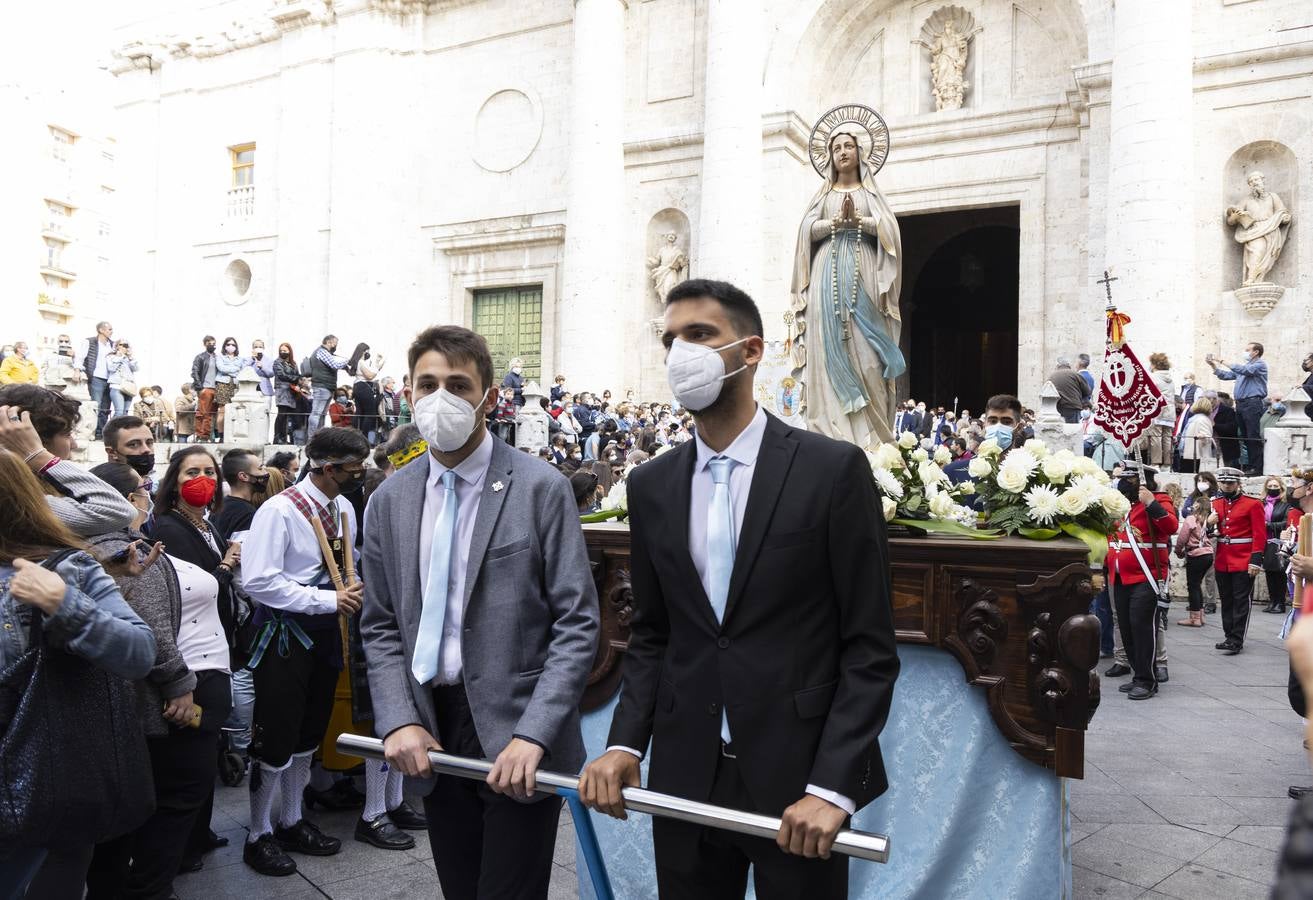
[319, 400]
[119, 400]
[99, 390]
[239, 720]
[1102, 607]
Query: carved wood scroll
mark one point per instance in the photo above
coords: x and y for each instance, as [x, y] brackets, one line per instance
[1013, 612]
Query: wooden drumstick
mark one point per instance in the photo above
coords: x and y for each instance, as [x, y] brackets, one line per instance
[348, 558]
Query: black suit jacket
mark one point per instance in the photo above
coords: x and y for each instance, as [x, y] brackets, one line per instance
[805, 659]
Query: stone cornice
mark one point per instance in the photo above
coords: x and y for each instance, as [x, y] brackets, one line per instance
[461, 238]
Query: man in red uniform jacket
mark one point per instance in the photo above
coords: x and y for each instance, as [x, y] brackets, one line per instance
[1241, 538]
[1150, 526]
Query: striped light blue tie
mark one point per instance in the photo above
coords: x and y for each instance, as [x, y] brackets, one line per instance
[428, 642]
[720, 549]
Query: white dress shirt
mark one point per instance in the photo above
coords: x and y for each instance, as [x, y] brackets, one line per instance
[281, 559]
[744, 451]
[470, 475]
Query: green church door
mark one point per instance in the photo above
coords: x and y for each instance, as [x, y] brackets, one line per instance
[511, 321]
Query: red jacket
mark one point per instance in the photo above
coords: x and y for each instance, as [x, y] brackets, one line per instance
[1157, 526]
[1241, 533]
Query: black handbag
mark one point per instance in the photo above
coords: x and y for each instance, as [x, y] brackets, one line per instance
[74, 768]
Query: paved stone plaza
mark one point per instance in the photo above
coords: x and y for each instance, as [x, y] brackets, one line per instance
[1184, 796]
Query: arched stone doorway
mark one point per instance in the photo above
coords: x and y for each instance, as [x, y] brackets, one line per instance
[959, 305]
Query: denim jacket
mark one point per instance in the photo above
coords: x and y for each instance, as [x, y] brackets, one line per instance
[229, 366]
[93, 621]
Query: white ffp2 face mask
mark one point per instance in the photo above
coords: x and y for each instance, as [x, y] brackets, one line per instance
[696, 373]
[445, 420]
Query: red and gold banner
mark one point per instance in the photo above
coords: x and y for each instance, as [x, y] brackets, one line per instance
[1128, 400]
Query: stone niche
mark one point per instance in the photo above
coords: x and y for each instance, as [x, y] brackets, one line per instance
[655, 243]
[1281, 175]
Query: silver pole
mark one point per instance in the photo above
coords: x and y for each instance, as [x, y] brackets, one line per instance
[857, 844]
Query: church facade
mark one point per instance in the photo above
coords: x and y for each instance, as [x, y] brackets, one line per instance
[536, 169]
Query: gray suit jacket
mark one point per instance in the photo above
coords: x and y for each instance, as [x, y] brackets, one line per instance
[531, 615]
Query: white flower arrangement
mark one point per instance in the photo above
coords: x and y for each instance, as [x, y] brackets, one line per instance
[1040, 493]
[942, 456]
[914, 488]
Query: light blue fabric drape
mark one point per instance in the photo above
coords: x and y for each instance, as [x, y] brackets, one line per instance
[967, 816]
[864, 322]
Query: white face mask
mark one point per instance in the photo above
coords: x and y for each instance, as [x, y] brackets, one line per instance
[1203, 487]
[445, 420]
[695, 373]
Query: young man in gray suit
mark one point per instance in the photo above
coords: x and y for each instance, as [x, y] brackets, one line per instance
[480, 624]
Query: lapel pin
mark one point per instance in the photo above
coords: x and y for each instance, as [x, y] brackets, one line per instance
[497, 486]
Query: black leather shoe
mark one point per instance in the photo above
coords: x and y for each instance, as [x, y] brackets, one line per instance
[1117, 670]
[1278, 610]
[1142, 691]
[383, 834]
[305, 837]
[1160, 673]
[1296, 791]
[213, 842]
[1126, 688]
[266, 857]
[342, 795]
[1223, 645]
[405, 817]
[1232, 650]
[1210, 609]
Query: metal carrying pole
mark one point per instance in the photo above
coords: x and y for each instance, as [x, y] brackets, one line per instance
[857, 844]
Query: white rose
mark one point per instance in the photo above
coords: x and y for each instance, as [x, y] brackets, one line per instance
[1114, 503]
[907, 440]
[966, 488]
[890, 508]
[888, 483]
[886, 456]
[919, 455]
[979, 467]
[1013, 479]
[942, 456]
[1036, 448]
[1073, 502]
[989, 448]
[942, 506]
[929, 473]
[1056, 469]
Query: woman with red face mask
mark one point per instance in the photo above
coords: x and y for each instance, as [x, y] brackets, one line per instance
[186, 501]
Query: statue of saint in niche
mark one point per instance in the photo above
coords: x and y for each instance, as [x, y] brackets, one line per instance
[1259, 219]
[669, 266]
[844, 324]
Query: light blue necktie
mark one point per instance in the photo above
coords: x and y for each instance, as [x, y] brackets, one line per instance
[428, 642]
[720, 549]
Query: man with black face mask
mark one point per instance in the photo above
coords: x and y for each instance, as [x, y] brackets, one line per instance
[129, 440]
[1137, 563]
[1241, 540]
[245, 474]
[298, 651]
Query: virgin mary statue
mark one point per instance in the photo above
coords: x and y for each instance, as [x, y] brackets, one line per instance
[846, 276]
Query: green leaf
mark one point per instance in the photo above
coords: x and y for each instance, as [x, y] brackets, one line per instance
[1039, 534]
[941, 526]
[601, 516]
[1096, 542]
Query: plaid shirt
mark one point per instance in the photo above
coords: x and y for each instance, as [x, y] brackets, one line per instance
[505, 411]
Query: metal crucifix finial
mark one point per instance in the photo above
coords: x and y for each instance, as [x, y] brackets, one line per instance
[1107, 281]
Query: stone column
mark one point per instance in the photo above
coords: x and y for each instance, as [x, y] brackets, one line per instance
[1150, 205]
[730, 227]
[593, 305]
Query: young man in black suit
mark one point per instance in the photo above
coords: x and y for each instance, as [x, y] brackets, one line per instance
[761, 658]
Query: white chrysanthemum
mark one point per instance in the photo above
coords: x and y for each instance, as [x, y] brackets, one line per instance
[989, 448]
[889, 506]
[1073, 502]
[1012, 479]
[907, 440]
[1042, 503]
[942, 456]
[888, 483]
[1020, 459]
[1056, 469]
[886, 456]
[1089, 485]
[929, 473]
[617, 497]
[1036, 448]
[1114, 503]
[979, 467]
[919, 455]
[942, 506]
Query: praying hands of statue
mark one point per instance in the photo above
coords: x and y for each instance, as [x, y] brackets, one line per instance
[848, 211]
